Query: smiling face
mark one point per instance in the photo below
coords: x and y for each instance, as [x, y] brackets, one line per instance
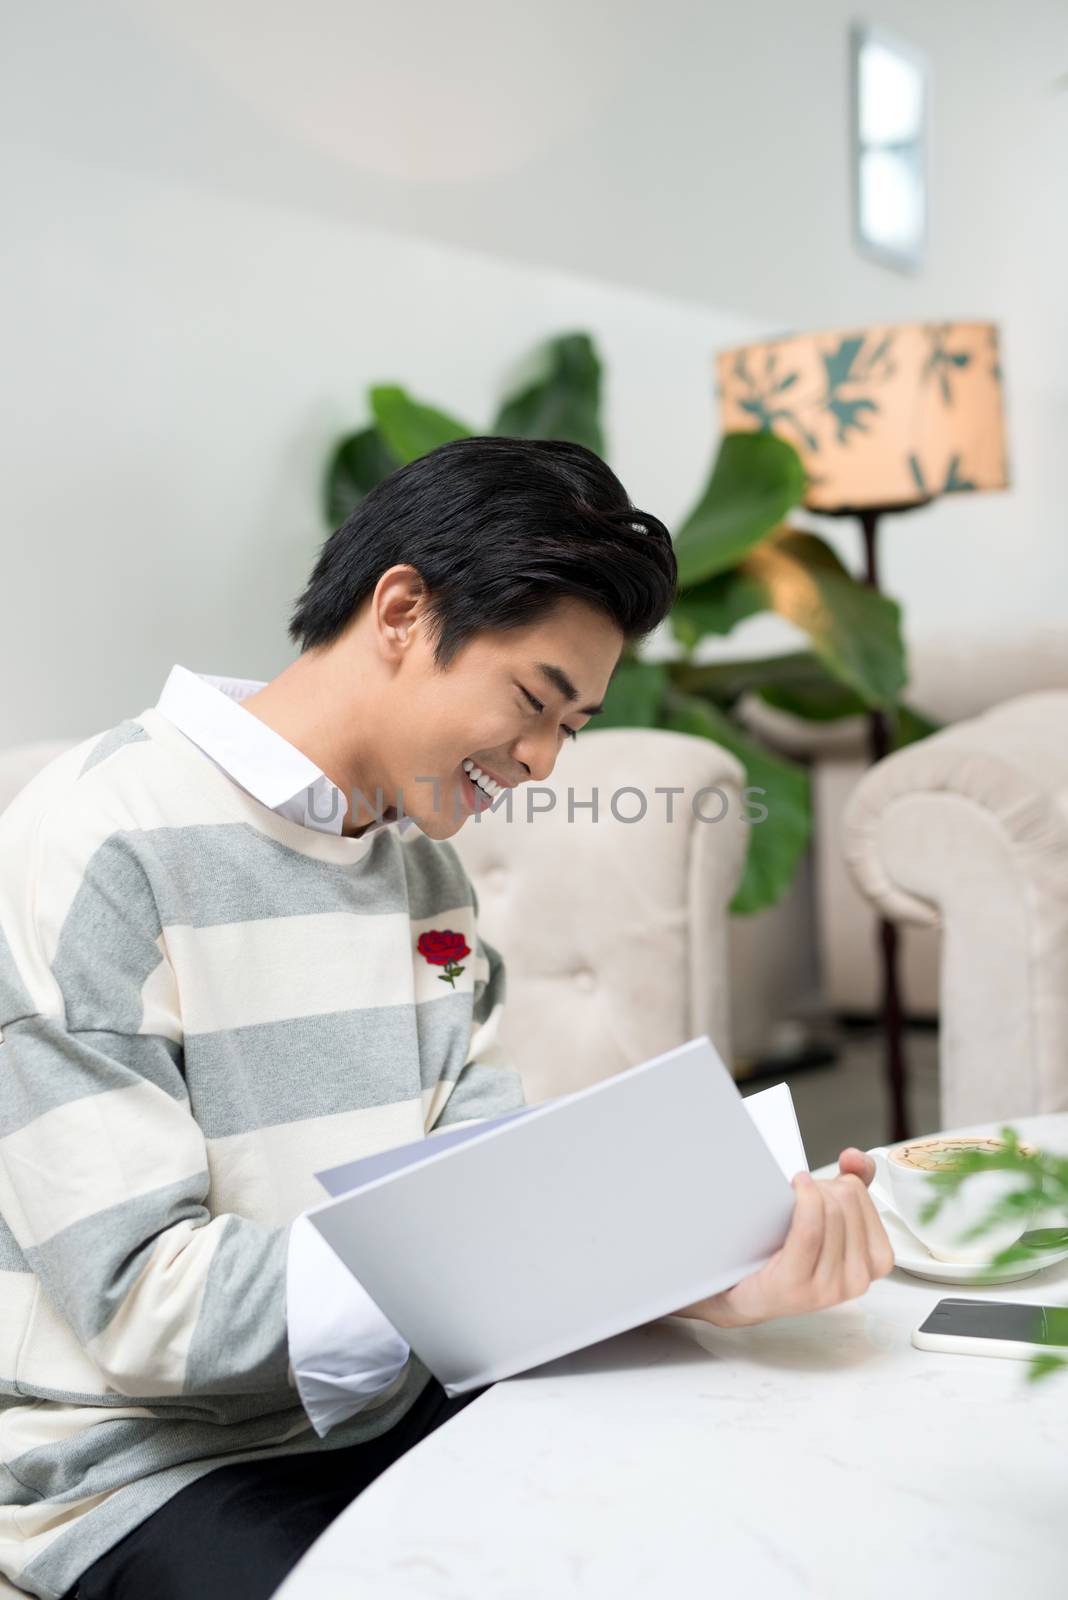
[463, 620]
[497, 714]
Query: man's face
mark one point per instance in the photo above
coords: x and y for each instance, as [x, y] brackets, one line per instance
[505, 705]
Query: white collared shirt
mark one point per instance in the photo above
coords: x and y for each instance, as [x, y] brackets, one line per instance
[273, 771]
[342, 1349]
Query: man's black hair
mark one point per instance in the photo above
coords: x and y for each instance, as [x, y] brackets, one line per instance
[499, 530]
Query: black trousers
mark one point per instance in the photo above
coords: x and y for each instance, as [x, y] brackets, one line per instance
[235, 1533]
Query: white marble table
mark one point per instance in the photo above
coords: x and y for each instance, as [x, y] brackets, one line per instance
[820, 1456]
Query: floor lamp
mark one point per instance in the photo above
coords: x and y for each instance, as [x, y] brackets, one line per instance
[886, 420]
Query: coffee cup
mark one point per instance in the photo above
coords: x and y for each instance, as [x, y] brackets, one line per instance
[905, 1173]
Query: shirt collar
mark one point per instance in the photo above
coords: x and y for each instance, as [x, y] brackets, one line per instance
[207, 709]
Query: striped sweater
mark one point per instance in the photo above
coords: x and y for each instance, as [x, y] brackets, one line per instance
[201, 1004]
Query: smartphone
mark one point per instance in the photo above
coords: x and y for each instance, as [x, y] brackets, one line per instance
[994, 1328]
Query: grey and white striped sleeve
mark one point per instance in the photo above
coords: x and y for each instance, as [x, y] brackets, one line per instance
[104, 1177]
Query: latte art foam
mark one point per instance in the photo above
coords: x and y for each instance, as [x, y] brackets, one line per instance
[936, 1155]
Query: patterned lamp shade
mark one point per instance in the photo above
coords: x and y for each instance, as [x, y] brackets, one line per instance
[887, 416]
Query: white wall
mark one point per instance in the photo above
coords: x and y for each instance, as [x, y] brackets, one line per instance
[183, 361]
[223, 220]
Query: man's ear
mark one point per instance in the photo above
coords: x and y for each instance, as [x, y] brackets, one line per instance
[397, 611]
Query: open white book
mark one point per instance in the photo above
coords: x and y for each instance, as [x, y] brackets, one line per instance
[498, 1245]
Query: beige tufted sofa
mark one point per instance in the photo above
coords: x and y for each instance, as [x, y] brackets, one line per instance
[614, 931]
[968, 831]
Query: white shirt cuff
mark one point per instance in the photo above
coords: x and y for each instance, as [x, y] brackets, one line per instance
[342, 1349]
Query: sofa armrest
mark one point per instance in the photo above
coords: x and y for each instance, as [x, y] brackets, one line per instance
[1011, 764]
[21, 762]
[969, 830]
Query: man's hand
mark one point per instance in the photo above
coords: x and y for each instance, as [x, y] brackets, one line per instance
[835, 1248]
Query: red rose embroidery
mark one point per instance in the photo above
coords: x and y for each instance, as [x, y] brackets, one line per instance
[444, 948]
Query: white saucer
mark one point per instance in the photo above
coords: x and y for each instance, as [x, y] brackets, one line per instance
[913, 1257]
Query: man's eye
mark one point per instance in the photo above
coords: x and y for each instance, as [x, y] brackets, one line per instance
[572, 733]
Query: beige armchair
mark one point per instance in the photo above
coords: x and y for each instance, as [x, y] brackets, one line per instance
[968, 831]
[614, 931]
[952, 677]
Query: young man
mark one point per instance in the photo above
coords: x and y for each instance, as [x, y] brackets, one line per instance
[215, 980]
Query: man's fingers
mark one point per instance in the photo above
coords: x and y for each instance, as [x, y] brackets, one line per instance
[856, 1266]
[869, 1235]
[827, 1276]
[804, 1241]
[880, 1251]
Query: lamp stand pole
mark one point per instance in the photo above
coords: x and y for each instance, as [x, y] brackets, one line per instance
[896, 1070]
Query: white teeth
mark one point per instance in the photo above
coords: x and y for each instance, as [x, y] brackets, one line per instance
[488, 785]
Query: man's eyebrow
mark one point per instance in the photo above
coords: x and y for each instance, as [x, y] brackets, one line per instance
[561, 682]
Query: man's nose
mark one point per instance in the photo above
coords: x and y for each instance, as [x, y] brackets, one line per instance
[538, 755]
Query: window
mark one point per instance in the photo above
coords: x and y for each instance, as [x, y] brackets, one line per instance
[889, 149]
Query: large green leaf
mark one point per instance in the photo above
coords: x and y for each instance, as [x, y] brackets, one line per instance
[409, 428]
[777, 843]
[359, 462]
[726, 681]
[854, 631]
[797, 683]
[557, 395]
[828, 700]
[715, 606]
[821, 700]
[757, 479]
[634, 695]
